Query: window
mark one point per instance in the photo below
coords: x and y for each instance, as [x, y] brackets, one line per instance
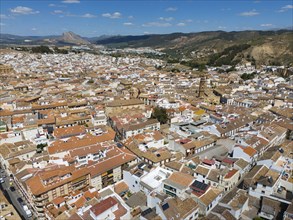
[170, 193]
[169, 188]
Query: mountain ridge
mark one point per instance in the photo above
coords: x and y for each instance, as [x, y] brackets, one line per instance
[209, 47]
[70, 37]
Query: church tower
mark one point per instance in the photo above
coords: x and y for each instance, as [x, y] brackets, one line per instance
[201, 89]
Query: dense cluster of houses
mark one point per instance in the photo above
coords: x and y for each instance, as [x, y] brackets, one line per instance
[84, 144]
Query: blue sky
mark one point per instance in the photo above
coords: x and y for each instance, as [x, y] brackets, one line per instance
[95, 17]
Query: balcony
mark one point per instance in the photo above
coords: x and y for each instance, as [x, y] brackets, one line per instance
[40, 203]
[266, 215]
[40, 211]
[39, 199]
[79, 185]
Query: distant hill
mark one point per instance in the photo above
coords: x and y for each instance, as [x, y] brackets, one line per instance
[216, 47]
[67, 38]
[273, 47]
[72, 38]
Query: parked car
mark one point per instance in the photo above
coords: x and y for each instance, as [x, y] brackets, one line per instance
[12, 188]
[2, 180]
[20, 200]
[27, 211]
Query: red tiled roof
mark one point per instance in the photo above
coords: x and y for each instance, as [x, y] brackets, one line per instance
[227, 160]
[103, 206]
[58, 200]
[209, 162]
[110, 163]
[80, 202]
[185, 141]
[87, 140]
[250, 151]
[230, 173]
[74, 130]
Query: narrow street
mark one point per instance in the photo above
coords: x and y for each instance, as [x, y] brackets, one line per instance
[12, 196]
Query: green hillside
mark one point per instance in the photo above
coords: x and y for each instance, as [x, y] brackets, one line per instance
[215, 48]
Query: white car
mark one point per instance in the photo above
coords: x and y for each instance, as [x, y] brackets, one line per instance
[2, 180]
[27, 211]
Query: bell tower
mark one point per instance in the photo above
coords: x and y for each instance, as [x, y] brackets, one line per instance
[201, 89]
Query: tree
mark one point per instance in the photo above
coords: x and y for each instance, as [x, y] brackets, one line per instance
[63, 51]
[41, 49]
[289, 134]
[201, 67]
[40, 147]
[246, 76]
[160, 114]
[257, 218]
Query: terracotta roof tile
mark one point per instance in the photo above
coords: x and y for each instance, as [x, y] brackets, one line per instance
[231, 173]
[69, 131]
[182, 179]
[121, 187]
[80, 202]
[250, 151]
[103, 206]
[58, 200]
[209, 196]
[87, 140]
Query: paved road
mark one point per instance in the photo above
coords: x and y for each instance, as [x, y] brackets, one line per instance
[12, 196]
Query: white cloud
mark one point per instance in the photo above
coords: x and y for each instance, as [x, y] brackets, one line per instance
[288, 7]
[71, 1]
[130, 17]
[3, 16]
[34, 29]
[127, 24]
[55, 12]
[266, 25]
[285, 8]
[68, 14]
[222, 27]
[181, 24]
[166, 19]
[20, 10]
[88, 15]
[113, 16]
[249, 13]
[189, 20]
[57, 6]
[2, 24]
[171, 9]
[157, 24]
